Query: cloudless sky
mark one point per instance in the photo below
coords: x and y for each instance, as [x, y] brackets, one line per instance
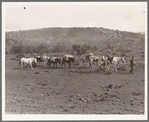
[126, 16]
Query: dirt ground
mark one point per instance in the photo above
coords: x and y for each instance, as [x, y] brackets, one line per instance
[76, 90]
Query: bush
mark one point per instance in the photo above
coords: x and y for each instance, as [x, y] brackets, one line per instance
[77, 48]
[15, 49]
[85, 48]
[81, 49]
[123, 54]
[57, 49]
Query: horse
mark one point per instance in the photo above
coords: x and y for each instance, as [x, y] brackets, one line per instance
[68, 59]
[115, 61]
[39, 59]
[28, 61]
[42, 59]
[85, 58]
[54, 60]
[106, 59]
[95, 60]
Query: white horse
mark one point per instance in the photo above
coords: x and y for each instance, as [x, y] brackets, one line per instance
[28, 61]
[115, 61]
[44, 58]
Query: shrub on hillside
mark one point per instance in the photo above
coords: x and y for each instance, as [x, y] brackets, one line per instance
[123, 54]
[77, 48]
[42, 48]
[81, 49]
[28, 49]
[85, 48]
[58, 49]
[15, 49]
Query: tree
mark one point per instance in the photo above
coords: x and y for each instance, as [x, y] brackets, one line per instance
[77, 48]
[85, 48]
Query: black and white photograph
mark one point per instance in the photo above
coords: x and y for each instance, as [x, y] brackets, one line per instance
[74, 61]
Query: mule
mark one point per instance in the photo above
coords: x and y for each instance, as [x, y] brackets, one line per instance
[42, 59]
[95, 60]
[54, 60]
[86, 58]
[115, 61]
[106, 60]
[39, 59]
[27, 61]
[68, 59]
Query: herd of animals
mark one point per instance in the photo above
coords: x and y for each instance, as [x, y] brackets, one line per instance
[101, 61]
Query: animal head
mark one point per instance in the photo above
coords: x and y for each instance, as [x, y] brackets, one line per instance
[35, 60]
[123, 59]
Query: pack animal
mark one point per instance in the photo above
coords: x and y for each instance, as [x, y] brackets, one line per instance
[68, 59]
[106, 60]
[114, 62]
[28, 61]
[54, 60]
[86, 58]
[95, 60]
[42, 59]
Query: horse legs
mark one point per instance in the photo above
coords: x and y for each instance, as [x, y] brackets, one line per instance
[53, 65]
[50, 65]
[31, 65]
[63, 64]
[22, 65]
[115, 68]
[44, 63]
[107, 68]
[69, 64]
[91, 65]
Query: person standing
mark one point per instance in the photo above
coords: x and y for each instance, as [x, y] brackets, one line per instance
[132, 65]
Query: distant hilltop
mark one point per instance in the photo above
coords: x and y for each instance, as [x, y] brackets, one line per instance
[104, 39]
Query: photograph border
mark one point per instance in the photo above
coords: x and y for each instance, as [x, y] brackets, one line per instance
[67, 117]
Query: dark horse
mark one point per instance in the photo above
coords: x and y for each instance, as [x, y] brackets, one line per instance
[53, 60]
[68, 60]
[39, 59]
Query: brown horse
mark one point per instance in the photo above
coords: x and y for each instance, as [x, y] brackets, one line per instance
[67, 59]
[53, 60]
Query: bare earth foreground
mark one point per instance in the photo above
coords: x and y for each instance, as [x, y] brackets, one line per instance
[73, 90]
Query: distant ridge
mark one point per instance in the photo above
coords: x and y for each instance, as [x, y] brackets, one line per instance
[100, 37]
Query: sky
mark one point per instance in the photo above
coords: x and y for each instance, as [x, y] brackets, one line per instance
[125, 16]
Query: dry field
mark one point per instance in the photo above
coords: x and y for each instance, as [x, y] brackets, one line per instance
[76, 90]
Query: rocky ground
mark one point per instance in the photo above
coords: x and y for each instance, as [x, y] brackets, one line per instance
[76, 90]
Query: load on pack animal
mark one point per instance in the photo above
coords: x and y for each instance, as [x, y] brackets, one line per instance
[68, 59]
[114, 61]
[54, 60]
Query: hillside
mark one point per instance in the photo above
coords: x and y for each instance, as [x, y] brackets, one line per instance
[99, 37]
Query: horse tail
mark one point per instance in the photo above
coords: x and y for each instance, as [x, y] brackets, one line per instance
[19, 62]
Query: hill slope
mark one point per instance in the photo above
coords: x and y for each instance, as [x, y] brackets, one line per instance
[100, 37]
